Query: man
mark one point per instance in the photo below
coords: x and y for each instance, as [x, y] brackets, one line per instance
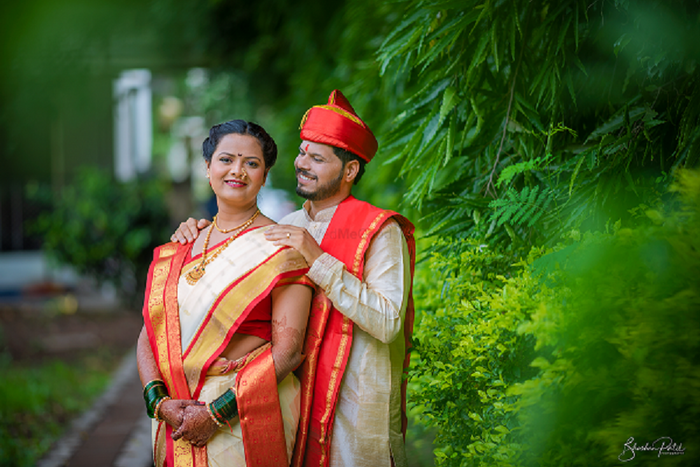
[361, 258]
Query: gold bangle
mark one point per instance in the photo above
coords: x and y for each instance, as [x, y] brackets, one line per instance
[218, 423]
[157, 408]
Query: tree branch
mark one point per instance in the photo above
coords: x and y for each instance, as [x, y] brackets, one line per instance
[490, 185]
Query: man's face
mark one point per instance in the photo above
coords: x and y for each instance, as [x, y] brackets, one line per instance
[319, 171]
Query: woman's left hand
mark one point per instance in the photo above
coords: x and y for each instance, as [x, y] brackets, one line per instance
[197, 426]
[296, 237]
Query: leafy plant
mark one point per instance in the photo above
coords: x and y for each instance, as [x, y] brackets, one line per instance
[493, 90]
[618, 353]
[469, 353]
[574, 351]
[106, 229]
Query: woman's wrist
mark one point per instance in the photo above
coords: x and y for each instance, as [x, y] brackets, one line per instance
[224, 408]
[156, 410]
[211, 415]
[154, 394]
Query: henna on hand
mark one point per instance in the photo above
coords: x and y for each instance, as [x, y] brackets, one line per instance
[286, 351]
[172, 411]
[197, 426]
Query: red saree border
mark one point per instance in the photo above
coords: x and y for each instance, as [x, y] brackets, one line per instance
[234, 284]
[168, 260]
[256, 394]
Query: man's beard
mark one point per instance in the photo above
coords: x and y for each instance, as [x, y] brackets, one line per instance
[322, 192]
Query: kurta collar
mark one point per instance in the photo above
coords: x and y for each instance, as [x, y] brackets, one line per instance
[324, 215]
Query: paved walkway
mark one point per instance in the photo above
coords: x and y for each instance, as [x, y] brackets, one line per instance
[114, 432]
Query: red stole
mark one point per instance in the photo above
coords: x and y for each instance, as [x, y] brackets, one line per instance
[329, 334]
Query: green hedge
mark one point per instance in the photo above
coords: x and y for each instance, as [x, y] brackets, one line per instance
[580, 349]
[106, 229]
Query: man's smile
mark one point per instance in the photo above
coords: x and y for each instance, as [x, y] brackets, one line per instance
[303, 175]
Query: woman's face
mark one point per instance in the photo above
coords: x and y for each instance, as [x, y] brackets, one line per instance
[237, 170]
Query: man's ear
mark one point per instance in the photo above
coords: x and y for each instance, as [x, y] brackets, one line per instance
[351, 170]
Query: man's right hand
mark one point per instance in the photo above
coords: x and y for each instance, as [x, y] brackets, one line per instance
[189, 230]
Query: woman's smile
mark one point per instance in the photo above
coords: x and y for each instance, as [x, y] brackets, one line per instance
[236, 183]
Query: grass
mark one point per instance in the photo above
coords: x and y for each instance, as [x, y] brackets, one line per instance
[38, 401]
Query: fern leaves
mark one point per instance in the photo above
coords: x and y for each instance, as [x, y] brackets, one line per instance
[520, 208]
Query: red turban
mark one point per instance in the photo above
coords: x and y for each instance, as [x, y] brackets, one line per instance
[337, 124]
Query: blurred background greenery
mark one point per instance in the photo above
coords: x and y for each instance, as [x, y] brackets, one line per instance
[544, 149]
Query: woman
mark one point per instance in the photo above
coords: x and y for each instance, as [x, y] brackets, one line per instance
[224, 323]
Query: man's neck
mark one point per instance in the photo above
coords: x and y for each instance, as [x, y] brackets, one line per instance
[317, 206]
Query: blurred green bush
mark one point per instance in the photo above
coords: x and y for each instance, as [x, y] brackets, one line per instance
[469, 353]
[581, 348]
[106, 229]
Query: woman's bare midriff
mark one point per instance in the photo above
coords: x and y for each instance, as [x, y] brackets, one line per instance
[241, 344]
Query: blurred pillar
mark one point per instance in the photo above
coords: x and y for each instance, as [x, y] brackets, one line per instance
[133, 124]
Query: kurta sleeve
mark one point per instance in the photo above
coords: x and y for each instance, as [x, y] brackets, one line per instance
[377, 304]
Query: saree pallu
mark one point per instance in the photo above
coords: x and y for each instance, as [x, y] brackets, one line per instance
[189, 326]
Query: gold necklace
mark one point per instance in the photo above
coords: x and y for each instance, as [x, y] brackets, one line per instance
[198, 271]
[225, 231]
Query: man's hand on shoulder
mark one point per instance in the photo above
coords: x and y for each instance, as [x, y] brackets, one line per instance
[296, 237]
[189, 230]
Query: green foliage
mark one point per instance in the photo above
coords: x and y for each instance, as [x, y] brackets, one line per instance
[494, 90]
[576, 351]
[469, 353]
[105, 229]
[528, 204]
[619, 353]
[39, 401]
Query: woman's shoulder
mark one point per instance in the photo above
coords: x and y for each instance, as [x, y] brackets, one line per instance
[167, 249]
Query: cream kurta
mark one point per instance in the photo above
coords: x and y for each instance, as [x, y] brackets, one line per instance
[367, 424]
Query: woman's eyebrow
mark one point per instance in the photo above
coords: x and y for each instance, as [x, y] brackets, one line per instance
[252, 156]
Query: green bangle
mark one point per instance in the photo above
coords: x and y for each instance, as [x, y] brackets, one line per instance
[224, 408]
[153, 393]
[150, 384]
